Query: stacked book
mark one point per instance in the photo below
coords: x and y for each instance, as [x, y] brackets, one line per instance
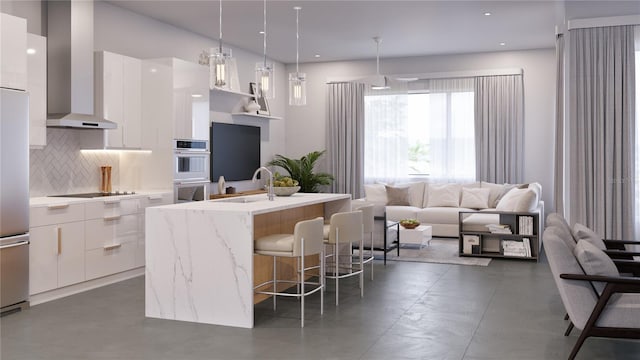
[516, 248]
[499, 229]
[525, 225]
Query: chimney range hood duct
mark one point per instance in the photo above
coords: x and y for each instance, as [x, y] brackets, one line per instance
[70, 66]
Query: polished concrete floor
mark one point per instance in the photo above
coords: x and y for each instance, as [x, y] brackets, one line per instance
[508, 310]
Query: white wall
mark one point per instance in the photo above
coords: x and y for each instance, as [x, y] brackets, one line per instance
[34, 11]
[124, 32]
[306, 125]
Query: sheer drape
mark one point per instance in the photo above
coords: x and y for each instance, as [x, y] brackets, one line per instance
[558, 173]
[345, 137]
[386, 143]
[499, 120]
[602, 126]
[449, 114]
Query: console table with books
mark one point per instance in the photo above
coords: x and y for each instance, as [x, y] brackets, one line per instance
[497, 234]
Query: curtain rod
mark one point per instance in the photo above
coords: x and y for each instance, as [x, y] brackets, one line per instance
[603, 22]
[435, 75]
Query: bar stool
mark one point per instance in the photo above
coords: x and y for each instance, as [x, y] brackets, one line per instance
[345, 228]
[367, 229]
[306, 240]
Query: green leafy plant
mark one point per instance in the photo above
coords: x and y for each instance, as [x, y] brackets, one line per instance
[302, 170]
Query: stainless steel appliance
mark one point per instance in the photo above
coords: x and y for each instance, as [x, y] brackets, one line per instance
[190, 170]
[14, 199]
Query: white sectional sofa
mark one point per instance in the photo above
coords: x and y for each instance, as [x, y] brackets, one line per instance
[439, 205]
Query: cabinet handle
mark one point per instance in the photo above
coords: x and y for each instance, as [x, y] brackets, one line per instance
[110, 218]
[57, 206]
[59, 240]
[155, 197]
[117, 201]
[111, 247]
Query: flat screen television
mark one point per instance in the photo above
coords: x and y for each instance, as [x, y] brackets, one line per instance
[235, 151]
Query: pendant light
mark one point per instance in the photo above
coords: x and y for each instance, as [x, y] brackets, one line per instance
[219, 63]
[297, 80]
[377, 86]
[264, 71]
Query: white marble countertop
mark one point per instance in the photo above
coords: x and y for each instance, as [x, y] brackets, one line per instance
[50, 200]
[256, 204]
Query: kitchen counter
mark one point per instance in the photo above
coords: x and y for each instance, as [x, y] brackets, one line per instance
[55, 200]
[199, 255]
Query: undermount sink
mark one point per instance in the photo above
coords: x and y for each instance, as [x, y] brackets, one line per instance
[242, 200]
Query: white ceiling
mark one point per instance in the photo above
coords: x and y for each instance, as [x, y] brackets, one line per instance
[343, 30]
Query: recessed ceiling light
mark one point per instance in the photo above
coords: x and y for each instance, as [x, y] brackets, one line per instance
[153, 70]
[316, 55]
[503, 44]
[196, 95]
[487, 14]
[261, 32]
[31, 51]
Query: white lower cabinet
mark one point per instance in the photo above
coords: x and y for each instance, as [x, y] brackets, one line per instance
[110, 260]
[56, 256]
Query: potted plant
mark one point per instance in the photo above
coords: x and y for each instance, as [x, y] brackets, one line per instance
[302, 170]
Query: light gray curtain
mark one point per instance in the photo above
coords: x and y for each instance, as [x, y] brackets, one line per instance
[499, 122]
[602, 128]
[345, 137]
[558, 173]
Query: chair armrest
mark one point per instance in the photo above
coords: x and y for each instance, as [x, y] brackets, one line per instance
[621, 242]
[621, 280]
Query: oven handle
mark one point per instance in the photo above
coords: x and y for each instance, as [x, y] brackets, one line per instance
[197, 182]
[191, 152]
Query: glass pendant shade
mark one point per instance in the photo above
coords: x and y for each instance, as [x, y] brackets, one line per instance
[264, 80]
[219, 71]
[297, 89]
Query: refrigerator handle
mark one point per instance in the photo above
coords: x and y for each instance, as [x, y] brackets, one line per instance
[19, 243]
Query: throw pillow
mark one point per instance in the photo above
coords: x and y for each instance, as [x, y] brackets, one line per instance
[496, 192]
[475, 198]
[595, 262]
[397, 195]
[581, 232]
[517, 200]
[443, 195]
[375, 193]
[416, 192]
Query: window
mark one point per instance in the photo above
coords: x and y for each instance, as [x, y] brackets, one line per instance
[427, 133]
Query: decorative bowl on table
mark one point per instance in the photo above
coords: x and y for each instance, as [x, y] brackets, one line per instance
[285, 190]
[409, 223]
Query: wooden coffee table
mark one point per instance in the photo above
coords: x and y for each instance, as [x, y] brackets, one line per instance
[420, 235]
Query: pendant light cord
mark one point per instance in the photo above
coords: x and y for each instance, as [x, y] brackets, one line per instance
[377, 40]
[220, 37]
[264, 30]
[297, 39]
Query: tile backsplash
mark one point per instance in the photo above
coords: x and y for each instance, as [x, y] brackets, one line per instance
[60, 167]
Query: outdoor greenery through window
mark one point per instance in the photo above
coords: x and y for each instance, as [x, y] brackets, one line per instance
[426, 133]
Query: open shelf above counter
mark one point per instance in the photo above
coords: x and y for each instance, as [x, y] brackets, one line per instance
[256, 115]
[230, 92]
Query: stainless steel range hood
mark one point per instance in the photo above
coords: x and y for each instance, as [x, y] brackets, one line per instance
[70, 66]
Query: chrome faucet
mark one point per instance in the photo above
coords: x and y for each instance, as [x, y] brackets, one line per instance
[270, 192]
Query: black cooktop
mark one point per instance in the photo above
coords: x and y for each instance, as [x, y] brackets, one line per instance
[94, 195]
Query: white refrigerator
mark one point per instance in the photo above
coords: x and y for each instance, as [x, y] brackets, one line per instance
[14, 199]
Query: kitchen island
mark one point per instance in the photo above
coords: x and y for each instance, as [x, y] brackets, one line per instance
[200, 265]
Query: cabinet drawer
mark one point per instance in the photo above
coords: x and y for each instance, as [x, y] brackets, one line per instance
[108, 231]
[156, 200]
[102, 262]
[111, 207]
[55, 214]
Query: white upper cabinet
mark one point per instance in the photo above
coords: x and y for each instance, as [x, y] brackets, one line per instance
[118, 94]
[13, 52]
[191, 100]
[37, 88]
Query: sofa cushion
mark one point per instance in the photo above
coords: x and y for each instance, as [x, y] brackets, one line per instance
[496, 192]
[475, 198]
[397, 213]
[595, 262]
[581, 232]
[397, 195]
[376, 193]
[443, 195]
[537, 189]
[416, 192]
[517, 200]
[440, 215]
